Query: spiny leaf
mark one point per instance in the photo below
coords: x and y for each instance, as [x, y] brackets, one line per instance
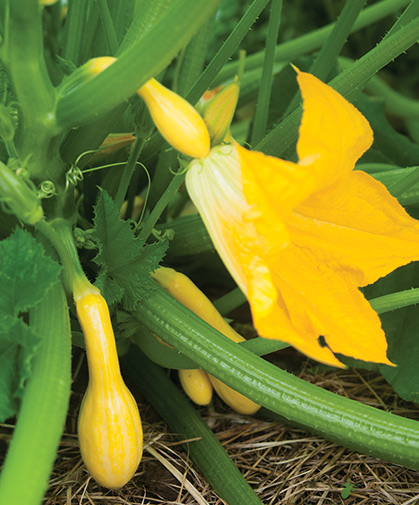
[125, 260]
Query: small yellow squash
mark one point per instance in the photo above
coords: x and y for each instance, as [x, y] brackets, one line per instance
[185, 291]
[109, 426]
[176, 119]
[197, 385]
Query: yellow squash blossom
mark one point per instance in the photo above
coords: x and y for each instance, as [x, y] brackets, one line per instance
[301, 238]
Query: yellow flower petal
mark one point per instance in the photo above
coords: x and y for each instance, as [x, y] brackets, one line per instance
[215, 187]
[357, 228]
[318, 302]
[276, 185]
[332, 130]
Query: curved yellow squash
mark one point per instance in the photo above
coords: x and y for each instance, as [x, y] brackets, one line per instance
[185, 291]
[109, 426]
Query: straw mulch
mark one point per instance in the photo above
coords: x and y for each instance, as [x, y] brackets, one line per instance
[284, 465]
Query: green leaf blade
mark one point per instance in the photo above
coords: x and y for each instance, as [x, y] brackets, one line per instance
[125, 260]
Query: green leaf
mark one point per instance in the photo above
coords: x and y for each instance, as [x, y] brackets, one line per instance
[18, 345]
[26, 275]
[125, 260]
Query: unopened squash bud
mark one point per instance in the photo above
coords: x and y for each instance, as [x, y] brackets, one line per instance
[176, 119]
[85, 73]
[16, 194]
[218, 113]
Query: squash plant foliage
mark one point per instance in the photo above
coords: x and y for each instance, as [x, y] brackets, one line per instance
[89, 189]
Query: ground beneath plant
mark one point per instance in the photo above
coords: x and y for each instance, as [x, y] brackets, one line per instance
[284, 465]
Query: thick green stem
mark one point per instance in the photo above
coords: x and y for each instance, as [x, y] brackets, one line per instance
[59, 235]
[350, 423]
[29, 461]
[23, 56]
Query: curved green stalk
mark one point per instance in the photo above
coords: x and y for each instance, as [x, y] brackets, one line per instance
[23, 57]
[348, 422]
[29, 461]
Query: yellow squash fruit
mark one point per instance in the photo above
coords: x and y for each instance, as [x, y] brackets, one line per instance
[185, 291]
[196, 385]
[109, 426]
[176, 119]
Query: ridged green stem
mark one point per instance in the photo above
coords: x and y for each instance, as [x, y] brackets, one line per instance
[348, 422]
[162, 203]
[33, 449]
[204, 448]
[395, 301]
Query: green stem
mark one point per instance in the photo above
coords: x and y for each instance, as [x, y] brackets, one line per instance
[157, 211]
[329, 52]
[394, 301]
[59, 234]
[226, 50]
[108, 26]
[23, 56]
[395, 103]
[350, 423]
[75, 30]
[348, 83]
[305, 44]
[327, 56]
[33, 449]
[128, 171]
[263, 102]
[204, 448]
[232, 300]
